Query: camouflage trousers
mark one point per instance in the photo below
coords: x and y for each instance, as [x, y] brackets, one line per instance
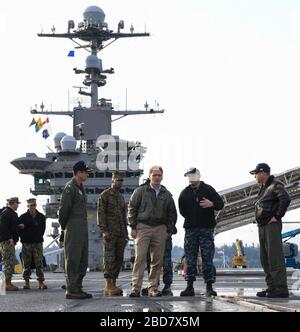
[167, 262]
[113, 256]
[32, 252]
[8, 259]
[194, 239]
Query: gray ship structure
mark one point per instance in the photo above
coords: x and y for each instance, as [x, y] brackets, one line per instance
[92, 129]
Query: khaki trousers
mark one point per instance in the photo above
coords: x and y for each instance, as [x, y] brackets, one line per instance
[153, 238]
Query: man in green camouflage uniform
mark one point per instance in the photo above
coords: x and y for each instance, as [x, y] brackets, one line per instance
[32, 243]
[73, 220]
[113, 227]
[9, 236]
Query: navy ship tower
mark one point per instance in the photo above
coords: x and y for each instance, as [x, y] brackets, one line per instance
[92, 139]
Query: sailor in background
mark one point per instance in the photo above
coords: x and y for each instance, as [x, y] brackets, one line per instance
[9, 236]
[32, 238]
[73, 220]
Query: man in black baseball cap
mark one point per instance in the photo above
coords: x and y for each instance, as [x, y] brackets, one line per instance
[81, 166]
[262, 167]
[271, 205]
[73, 220]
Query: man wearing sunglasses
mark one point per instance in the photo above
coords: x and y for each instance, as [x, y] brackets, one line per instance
[270, 207]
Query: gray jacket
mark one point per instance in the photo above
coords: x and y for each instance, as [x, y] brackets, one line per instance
[72, 204]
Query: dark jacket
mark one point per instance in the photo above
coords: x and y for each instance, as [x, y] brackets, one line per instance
[9, 221]
[144, 207]
[72, 207]
[193, 213]
[272, 201]
[34, 228]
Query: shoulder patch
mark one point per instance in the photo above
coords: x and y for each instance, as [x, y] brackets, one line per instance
[68, 190]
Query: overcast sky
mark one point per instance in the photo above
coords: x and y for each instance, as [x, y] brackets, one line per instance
[227, 72]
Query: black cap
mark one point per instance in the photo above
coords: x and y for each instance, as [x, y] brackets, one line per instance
[81, 166]
[262, 167]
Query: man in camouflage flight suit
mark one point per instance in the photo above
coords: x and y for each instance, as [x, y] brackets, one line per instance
[32, 243]
[113, 227]
[9, 236]
[73, 220]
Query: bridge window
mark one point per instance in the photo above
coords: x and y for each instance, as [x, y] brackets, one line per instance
[58, 175]
[68, 175]
[89, 191]
[129, 190]
[42, 181]
[99, 190]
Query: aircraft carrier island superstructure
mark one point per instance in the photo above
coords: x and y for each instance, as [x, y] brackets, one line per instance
[92, 129]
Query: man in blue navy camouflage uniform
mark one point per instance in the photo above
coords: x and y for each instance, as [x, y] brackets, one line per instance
[197, 204]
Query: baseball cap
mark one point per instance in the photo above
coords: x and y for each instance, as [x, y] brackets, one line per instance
[262, 167]
[81, 166]
[193, 174]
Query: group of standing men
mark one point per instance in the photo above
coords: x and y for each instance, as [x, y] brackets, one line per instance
[152, 218]
[30, 228]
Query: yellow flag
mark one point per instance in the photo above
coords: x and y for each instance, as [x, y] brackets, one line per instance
[40, 123]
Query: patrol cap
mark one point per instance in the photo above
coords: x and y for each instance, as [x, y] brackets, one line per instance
[262, 167]
[193, 174]
[31, 201]
[13, 200]
[117, 176]
[81, 166]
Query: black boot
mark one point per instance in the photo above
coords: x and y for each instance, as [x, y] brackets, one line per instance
[209, 290]
[166, 291]
[189, 291]
[262, 293]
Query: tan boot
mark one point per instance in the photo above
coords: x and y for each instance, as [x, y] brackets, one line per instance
[26, 285]
[9, 287]
[120, 289]
[41, 285]
[110, 289]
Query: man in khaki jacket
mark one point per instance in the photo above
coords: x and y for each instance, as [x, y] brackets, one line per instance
[151, 216]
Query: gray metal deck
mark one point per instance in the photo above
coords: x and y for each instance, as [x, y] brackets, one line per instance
[236, 292]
